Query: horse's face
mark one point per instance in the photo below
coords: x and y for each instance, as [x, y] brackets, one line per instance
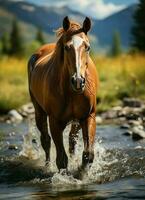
[76, 52]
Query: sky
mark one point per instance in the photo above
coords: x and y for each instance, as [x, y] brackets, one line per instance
[95, 8]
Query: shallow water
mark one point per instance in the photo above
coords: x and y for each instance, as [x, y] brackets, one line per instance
[118, 171]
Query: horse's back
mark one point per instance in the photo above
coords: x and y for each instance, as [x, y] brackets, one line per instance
[41, 55]
[37, 68]
[45, 49]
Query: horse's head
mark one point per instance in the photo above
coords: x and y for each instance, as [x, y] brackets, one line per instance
[76, 51]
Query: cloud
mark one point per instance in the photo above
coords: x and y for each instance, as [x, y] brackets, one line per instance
[57, 3]
[95, 8]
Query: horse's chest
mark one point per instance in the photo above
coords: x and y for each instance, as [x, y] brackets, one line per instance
[76, 108]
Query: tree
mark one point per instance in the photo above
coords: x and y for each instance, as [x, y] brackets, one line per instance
[116, 44]
[16, 41]
[138, 29]
[5, 44]
[39, 36]
[31, 47]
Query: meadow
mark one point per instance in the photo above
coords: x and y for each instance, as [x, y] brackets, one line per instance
[13, 83]
[120, 77]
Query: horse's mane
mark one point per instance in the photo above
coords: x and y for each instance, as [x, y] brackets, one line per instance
[74, 26]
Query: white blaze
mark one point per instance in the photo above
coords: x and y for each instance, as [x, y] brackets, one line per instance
[77, 42]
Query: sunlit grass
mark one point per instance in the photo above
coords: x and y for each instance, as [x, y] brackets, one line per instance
[120, 77]
[13, 83]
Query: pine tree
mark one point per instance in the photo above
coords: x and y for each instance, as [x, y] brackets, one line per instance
[138, 30]
[116, 44]
[5, 44]
[16, 41]
[39, 36]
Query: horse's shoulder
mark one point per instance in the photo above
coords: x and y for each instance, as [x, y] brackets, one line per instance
[93, 73]
[92, 67]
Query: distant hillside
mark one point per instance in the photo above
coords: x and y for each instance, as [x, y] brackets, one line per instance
[31, 16]
[121, 21]
[50, 18]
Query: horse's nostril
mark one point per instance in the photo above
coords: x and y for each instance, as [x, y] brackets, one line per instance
[73, 80]
[83, 80]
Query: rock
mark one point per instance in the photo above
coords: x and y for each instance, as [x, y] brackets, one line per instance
[117, 108]
[111, 114]
[138, 136]
[15, 116]
[99, 120]
[27, 109]
[143, 120]
[132, 102]
[127, 133]
[138, 147]
[143, 111]
[122, 120]
[125, 126]
[138, 132]
[139, 127]
[13, 147]
[124, 111]
[8, 121]
[12, 134]
[135, 122]
[132, 116]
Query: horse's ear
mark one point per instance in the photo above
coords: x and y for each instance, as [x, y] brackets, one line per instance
[86, 25]
[66, 23]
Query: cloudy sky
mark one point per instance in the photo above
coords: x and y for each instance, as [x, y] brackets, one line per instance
[96, 8]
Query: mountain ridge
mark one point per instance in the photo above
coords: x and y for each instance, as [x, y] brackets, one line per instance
[50, 18]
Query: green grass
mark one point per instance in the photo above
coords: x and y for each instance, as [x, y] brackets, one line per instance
[120, 77]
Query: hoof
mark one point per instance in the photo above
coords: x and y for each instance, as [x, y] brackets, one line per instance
[65, 172]
[80, 173]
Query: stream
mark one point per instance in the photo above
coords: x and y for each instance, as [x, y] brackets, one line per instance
[118, 170]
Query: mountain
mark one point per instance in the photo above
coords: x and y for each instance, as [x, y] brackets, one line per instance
[49, 19]
[121, 22]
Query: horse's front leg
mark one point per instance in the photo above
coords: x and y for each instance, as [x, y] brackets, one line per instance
[56, 129]
[73, 136]
[89, 131]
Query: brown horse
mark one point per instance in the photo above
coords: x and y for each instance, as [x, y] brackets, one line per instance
[63, 83]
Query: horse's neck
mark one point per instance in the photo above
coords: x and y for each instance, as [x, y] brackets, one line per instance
[59, 69]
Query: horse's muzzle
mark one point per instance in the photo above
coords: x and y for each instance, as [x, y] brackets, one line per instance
[78, 83]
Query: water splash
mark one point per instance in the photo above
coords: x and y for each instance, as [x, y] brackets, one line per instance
[35, 152]
[31, 148]
[109, 164]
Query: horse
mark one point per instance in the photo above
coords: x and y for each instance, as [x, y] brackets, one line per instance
[63, 83]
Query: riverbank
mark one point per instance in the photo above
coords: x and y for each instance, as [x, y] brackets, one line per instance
[130, 116]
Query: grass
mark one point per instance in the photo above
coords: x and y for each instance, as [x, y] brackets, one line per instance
[120, 77]
[13, 83]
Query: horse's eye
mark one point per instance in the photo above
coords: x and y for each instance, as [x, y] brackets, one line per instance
[87, 48]
[66, 47]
